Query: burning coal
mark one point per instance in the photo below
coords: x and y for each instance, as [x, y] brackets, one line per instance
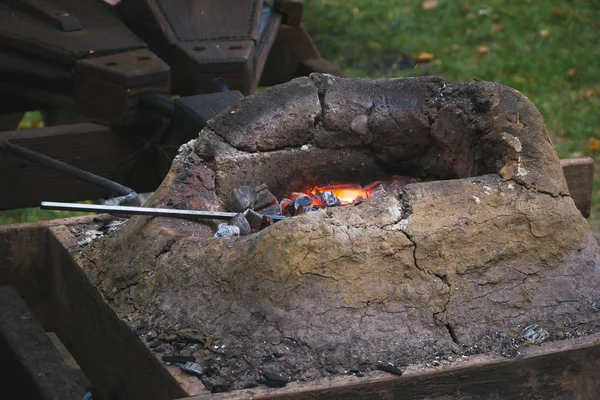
[257, 206]
[338, 195]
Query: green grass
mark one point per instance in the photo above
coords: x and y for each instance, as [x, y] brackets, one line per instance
[532, 46]
[32, 215]
[547, 49]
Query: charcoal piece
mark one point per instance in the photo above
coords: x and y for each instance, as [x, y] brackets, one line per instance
[154, 343]
[330, 199]
[243, 198]
[354, 371]
[240, 221]
[275, 209]
[181, 206]
[265, 222]
[299, 210]
[285, 202]
[140, 330]
[332, 370]
[375, 188]
[533, 334]
[193, 368]
[273, 380]
[176, 359]
[265, 197]
[303, 201]
[226, 230]
[254, 219]
[389, 368]
[311, 208]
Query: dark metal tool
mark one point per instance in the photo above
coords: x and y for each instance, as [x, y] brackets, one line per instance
[157, 212]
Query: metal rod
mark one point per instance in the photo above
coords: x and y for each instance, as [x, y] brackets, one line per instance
[127, 195]
[157, 212]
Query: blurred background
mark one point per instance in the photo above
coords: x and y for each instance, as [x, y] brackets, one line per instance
[547, 49]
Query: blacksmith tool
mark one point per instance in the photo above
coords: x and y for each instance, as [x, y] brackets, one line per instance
[157, 212]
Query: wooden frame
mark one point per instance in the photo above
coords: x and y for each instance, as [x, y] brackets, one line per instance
[122, 366]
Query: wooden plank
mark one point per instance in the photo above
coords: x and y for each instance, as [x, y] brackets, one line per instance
[102, 32]
[291, 10]
[34, 351]
[49, 13]
[292, 45]
[561, 370]
[208, 20]
[202, 40]
[91, 147]
[579, 173]
[119, 364]
[24, 262]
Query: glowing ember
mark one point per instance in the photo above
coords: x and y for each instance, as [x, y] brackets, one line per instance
[339, 195]
[345, 193]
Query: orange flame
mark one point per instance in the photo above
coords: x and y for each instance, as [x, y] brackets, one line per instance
[348, 193]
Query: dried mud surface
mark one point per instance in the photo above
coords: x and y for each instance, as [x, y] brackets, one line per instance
[459, 264]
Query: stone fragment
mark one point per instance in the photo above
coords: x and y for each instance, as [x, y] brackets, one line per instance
[243, 198]
[226, 230]
[241, 223]
[533, 334]
[193, 368]
[254, 219]
[264, 197]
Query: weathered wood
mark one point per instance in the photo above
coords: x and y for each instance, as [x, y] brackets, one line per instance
[24, 261]
[98, 70]
[102, 32]
[120, 365]
[294, 54]
[109, 87]
[34, 351]
[203, 40]
[579, 173]
[49, 13]
[291, 10]
[91, 147]
[558, 370]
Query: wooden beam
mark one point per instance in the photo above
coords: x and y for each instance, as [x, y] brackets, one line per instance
[579, 173]
[120, 365]
[91, 147]
[28, 358]
[565, 369]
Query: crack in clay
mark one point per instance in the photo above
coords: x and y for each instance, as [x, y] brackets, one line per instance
[444, 280]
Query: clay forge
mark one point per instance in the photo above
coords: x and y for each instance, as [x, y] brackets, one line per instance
[489, 242]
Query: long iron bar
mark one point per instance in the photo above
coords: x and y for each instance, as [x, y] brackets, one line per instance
[157, 212]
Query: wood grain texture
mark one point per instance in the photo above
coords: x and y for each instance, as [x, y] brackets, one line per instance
[207, 20]
[93, 148]
[579, 173]
[48, 12]
[102, 33]
[119, 363]
[203, 40]
[34, 351]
